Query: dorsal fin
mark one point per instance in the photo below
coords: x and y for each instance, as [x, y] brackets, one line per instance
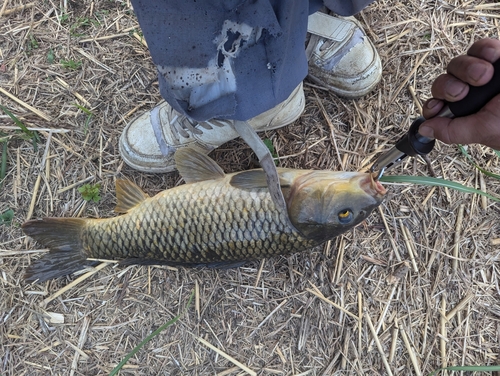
[128, 195]
[195, 166]
[253, 179]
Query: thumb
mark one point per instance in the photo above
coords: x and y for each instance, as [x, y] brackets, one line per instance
[482, 127]
[451, 131]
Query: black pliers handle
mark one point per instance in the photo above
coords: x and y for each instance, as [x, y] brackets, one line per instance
[413, 143]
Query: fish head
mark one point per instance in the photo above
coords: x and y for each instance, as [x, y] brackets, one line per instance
[323, 204]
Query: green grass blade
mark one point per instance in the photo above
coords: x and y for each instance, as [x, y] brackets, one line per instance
[468, 368]
[3, 165]
[435, 182]
[89, 116]
[270, 146]
[151, 336]
[84, 109]
[19, 123]
[486, 172]
[497, 153]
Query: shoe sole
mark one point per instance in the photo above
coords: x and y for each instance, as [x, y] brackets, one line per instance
[141, 167]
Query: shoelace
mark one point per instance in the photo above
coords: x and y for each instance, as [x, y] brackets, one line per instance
[313, 41]
[181, 125]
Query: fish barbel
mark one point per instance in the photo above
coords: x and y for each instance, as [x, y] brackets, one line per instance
[213, 220]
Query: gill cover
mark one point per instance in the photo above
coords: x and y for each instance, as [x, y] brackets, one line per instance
[324, 204]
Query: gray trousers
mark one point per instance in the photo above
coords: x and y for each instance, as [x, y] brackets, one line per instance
[230, 59]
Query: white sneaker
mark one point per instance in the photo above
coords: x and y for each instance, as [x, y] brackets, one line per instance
[148, 142]
[341, 57]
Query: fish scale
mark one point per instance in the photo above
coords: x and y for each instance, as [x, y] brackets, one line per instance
[177, 226]
[214, 220]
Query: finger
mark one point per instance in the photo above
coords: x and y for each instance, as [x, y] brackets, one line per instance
[474, 69]
[486, 49]
[449, 88]
[432, 107]
[470, 69]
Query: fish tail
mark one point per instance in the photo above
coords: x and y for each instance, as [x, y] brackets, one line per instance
[63, 238]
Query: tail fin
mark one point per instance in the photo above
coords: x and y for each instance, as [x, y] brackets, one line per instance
[63, 237]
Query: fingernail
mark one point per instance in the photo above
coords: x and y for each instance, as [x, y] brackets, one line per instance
[476, 71]
[455, 87]
[432, 103]
[426, 131]
[491, 54]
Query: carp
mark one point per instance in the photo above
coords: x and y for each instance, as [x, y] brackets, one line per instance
[214, 220]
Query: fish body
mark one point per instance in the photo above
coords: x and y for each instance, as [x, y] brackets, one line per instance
[214, 220]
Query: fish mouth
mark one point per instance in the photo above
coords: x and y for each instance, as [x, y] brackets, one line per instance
[372, 186]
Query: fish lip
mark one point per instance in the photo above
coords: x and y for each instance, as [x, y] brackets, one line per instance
[372, 186]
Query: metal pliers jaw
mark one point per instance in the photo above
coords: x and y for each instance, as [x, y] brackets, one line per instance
[411, 144]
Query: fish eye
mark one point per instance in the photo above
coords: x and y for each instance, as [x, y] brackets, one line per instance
[345, 216]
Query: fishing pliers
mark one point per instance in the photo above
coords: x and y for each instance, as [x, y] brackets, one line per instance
[413, 143]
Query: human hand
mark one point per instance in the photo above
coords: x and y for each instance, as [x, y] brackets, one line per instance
[474, 69]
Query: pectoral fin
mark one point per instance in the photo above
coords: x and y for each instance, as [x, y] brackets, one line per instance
[254, 179]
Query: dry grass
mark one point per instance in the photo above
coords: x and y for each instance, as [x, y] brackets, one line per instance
[409, 290]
